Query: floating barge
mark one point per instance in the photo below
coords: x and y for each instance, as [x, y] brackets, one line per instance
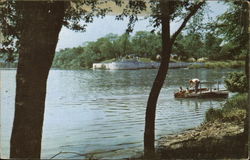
[203, 93]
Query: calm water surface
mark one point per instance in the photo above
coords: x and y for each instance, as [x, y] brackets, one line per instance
[101, 113]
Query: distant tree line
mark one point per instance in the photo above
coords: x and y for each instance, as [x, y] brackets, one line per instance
[112, 46]
[224, 38]
[148, 45]
[32, 28]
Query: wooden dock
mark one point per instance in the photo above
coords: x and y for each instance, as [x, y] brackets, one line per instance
[206, 94]
[202, 93]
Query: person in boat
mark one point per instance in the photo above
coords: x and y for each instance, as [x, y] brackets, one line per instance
[195, 84]
[180, 90]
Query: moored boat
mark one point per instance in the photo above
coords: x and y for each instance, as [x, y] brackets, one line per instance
[203, 92]
[206, 93]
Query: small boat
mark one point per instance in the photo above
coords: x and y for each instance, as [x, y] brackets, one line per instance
[203, 92]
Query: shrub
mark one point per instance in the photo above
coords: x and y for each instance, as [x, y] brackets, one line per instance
[234, 115]
[233, 110]
[213, 114]
[239, 101]
[236, 82]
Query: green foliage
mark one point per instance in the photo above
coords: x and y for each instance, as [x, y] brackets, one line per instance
[232, 27]
[212, 47]
[225, 38]
[193, 45]
[69, 58]
[8, 65]
[108, 49]
[239, 101]
[233, 110]
[109, 60]
[224, 64]
[231, 24]
[237, 82]
[146, 44]
[76, 18]
[195, 66]
[187, 46]
[219, 64]
[213, 114]
[228, 51]
[123, 45]
[146, 60]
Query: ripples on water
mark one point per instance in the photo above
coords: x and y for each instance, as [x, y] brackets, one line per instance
[102, 112]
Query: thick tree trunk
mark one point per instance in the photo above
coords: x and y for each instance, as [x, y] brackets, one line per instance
[41, 24]
[149, 133]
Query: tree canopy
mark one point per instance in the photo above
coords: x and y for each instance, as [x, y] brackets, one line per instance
[31, 29]
[143, 44]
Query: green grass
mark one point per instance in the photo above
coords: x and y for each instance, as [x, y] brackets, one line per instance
[233, 110]
[220, 64]
[109, 60]
[224, 64]
[174, 60]
[194, 66]
[146, 60]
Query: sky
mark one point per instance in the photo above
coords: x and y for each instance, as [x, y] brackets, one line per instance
[101, 27]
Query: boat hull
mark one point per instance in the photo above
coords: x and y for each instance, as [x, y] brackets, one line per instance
[202, 94]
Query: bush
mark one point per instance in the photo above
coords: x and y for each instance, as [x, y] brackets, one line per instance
[213, 114]
[236, 82]
[239, 101]
[233, 110]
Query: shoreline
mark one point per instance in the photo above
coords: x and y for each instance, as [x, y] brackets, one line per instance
[209, 140]
[136, 65]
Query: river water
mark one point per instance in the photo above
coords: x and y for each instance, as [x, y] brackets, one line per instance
[101, 113]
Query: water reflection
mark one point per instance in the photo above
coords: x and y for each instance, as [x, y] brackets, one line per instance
[197, 103]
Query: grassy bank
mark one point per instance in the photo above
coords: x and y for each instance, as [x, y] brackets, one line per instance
[208, 64]
[221, 136]
[220, 64]
[146, 60]
[233, 110]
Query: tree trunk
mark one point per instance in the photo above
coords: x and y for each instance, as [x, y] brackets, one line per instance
[41, 23]
[149, 133]
[246, 6]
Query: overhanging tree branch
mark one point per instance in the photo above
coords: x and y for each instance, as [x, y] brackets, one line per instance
[193, 10]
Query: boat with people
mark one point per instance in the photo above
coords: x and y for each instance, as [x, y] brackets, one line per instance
[199, 92]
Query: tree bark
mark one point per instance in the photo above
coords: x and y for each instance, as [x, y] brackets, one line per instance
[149, 133]
[246, 7]
[167, 44]
[41, 23]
